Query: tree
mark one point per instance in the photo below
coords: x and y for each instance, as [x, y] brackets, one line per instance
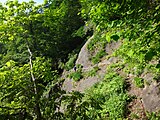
[23, 81]
[32, 39]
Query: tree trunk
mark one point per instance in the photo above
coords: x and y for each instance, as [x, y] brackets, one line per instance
[37, 107]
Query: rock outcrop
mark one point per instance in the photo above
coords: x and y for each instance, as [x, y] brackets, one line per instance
[148, 98]
[83, 59]
[151, 97]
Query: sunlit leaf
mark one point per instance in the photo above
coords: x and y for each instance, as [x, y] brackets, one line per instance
[108, 38]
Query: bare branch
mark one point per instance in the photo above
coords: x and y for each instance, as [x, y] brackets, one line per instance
[31, 68]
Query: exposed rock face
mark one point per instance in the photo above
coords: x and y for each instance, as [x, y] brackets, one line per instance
[83, 57]
[151, 97]
[113, 46]
[86, 83]
[148, 98]
[148, 77]
[151, 93]
[68, 85]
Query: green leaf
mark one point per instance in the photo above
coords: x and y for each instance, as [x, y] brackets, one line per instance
[108, 38]
[149, 55]
[115, 37]
[139, 82]
[130, 53]
[8, 64]
[141, 57]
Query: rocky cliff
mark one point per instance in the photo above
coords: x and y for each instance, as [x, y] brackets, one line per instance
[147, 97]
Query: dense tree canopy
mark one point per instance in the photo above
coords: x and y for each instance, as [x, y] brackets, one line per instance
[33, 39]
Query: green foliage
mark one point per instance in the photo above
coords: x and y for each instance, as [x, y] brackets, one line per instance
[134, 116]
[45, 29]
[92, 72]
[76, 75]
[155, 70]
[96, 47]
[29, 82]
[71, 62]
[104, 12]
[51, 99]
[76, 107]
[105, 100]
[30, 87]
[153, 116]
[80, 32]
[97, 43]
[98, 56]
[139, 82]
[112, 36]
[137, 26]
[17, 89]
[111, 95]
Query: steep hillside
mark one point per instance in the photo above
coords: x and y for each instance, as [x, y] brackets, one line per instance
[88, 67]
[80, 60]
[143, 87]
[120, 63]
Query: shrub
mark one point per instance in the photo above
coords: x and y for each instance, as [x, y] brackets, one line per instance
[70, 64]
[139, 82]
[98, 56]
[76, 75]
[111, 97]
[92, 72]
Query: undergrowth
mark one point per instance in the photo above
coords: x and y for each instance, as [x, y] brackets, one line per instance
[92, 72]
[153, 116]
[111, 97]
[77, 74]
[139, 82]
[71, 62]
[96, 47]
[139, 47]
[95, 59]
[138, 29]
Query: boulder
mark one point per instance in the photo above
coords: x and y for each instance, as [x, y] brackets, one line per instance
[151, 97]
